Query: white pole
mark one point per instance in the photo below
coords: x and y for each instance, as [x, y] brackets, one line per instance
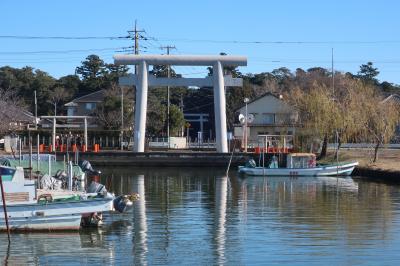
[245, 130]
[20, 151]
[70, 175]
[37, 159]
[220, 108]
[86, 135]
[122, 117]
[49, 160]
[141, 107]
[54, 134]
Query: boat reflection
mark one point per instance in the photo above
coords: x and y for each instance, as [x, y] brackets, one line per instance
[342, 183]
[50, 248]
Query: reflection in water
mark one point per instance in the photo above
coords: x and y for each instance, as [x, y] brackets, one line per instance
[221, 191]
[140, 223]
[339, 183]
[194, 216]
[57, 248]
[7, 257]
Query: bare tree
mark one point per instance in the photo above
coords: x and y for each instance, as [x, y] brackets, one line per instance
[108, 113]
[56, 96]
[12, 113]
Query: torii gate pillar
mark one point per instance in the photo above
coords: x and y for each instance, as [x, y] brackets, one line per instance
[142, 82]
[220, 108]
[141, 108]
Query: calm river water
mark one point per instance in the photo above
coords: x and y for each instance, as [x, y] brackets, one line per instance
[198, 216]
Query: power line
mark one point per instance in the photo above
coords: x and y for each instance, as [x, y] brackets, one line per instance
[150, 38]
[25, 37]
[63, 51]
[280, 42]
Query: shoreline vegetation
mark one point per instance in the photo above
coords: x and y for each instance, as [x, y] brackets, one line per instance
[389, 159]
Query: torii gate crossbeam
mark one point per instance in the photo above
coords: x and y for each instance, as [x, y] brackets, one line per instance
[142, 83]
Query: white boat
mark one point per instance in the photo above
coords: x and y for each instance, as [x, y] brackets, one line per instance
[298, 164]
[30, 209]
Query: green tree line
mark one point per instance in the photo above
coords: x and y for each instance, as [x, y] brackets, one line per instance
[323, 108]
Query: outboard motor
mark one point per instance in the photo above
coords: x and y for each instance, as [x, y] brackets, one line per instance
[251, 164]
[89, 171]
[87, 167]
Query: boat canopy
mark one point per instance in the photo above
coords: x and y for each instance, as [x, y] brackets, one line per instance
[45, 167]
[301, 160]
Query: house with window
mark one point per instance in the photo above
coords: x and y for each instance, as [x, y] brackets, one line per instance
[270, 116]
[85, 106]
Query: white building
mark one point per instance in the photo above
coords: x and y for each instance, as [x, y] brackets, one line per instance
[272, 116]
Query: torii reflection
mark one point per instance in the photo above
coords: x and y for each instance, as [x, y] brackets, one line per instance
[140, 222]
[221, 191]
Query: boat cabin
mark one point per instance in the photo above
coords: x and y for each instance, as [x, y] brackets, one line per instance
[17, 188]
[301, 160]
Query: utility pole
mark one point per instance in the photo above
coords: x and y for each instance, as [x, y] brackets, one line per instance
[181, 107]
[122, 117]
[35, 111]
[333, 77]
[135, 37]
[168, 47]
[246, 100]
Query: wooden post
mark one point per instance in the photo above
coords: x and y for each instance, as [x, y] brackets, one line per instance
[5, 208]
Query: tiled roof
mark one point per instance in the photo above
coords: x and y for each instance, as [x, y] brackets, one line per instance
[16, 114]
[393, 97]
[93, 97]
[260, 97]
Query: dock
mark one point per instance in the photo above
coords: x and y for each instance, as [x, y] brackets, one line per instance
[173, 159]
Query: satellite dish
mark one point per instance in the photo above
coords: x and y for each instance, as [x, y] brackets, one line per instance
[242, 119]
[250, 118]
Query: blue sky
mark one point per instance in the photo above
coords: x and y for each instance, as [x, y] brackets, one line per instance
[358, 31]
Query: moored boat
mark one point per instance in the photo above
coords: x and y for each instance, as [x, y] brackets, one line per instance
[299, 164]
[29, 208]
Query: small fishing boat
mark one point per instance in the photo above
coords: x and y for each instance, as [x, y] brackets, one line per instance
[298, 164]
[29, 208]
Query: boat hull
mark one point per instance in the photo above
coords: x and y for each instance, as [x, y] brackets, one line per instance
[329, 170]
[52, 216]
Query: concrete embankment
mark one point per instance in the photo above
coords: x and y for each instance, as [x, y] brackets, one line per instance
[200, 159]
[377, 174]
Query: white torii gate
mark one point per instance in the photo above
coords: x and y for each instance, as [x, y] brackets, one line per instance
[218, 81]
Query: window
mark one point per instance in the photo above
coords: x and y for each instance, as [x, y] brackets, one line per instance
[268, 119]
[70, 111]
[90, 106]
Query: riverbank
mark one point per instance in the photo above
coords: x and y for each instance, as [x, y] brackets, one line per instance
[170, 158]
[386, 168]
